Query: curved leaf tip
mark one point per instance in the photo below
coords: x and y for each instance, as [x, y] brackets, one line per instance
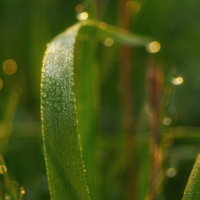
[63, 156]
[65, 167]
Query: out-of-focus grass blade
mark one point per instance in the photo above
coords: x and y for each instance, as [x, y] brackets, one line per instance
[192, 191]
[101, 31]
[86, 92]
[11, 193]
[7, 122]
[65, 167]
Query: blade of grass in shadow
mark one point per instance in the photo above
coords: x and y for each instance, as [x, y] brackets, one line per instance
[192, 191]
[142, 151]
[7, 123]
[63, 153]
[86, 92]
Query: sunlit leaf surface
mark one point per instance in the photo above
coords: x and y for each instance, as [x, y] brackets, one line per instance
[63, 153]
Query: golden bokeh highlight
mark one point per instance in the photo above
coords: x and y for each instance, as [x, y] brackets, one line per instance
[22, 190]
[177, 81]
[1, 83]
[108, 42]
[79, 8]
[167, 121]
[10, 67]
[7, 197]
[154, 47]
[82, 16]
[3, 169]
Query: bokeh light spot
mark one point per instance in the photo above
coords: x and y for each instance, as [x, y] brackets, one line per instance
[153, 47]
[3, 169]
[7, 197]
[171, 172]
[22, 190]
[108, 42]
[82, 16]
[167, 121]
[79, 8]
[10, 67]
[177, 81]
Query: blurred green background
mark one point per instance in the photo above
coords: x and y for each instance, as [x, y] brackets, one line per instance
[25, 29]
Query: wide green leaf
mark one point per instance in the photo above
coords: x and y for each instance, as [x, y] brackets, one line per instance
[63, 153]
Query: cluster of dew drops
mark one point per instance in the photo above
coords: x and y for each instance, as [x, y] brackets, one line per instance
[55, 77]
[48, 86]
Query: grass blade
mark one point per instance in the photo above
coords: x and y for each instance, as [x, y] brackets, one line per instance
[65, 167]
[62, 148]
[86, 92]
[192, 191]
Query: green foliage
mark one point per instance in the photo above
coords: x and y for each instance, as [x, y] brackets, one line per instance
[62, 147]
[26, 27]
[59, 124]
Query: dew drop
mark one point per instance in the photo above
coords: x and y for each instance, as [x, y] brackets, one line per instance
[43, 76]
[41, 85]
[44, 94]
[43, 69]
